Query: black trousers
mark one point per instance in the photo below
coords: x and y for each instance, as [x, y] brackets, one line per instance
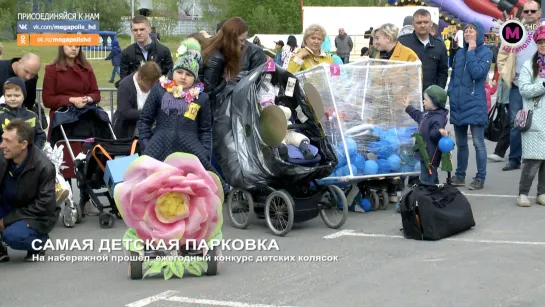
[503, 143]
[530, 169]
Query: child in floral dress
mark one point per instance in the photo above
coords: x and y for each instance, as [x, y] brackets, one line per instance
[180, 110]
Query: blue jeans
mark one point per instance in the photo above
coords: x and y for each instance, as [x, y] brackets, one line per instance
[346, 59]
[116, 70]
[462, 155]
[19, 235]
[427, 178]
[515, 105]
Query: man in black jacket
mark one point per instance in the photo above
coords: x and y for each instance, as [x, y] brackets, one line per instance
[431, 50]
[28, 210]
[26, 68]
[144, 49]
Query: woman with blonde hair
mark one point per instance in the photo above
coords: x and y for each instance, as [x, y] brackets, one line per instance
[385, 40]
[312, 54]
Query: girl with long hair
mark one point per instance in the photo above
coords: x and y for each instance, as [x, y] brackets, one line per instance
[289, 50]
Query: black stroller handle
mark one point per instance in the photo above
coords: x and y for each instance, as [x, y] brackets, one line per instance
[298, 126]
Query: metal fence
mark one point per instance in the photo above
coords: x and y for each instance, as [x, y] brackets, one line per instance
[108, 101]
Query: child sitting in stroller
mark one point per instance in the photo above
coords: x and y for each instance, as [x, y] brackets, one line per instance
[181, 112]
[267, 96]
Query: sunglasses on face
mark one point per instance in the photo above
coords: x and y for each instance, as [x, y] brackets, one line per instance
[529, 11]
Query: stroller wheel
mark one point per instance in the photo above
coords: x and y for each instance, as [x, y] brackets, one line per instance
[375, 200]
[385, 200]
[135, 267]
[106, 220]
[279, 212]
[337, 199]
[213, 263]
[70, 214]
[241, 208]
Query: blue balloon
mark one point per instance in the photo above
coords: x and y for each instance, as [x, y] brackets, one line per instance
[395, 163]
[365, 204]
[405, 168]
[341, 156]
[354, 169]
[358, 161]
[351, 146]
[371, 167]
[383, 166]
[417, 167]
[446, 144]
[393, 142]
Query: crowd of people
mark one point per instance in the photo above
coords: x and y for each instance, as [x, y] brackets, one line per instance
[174, 114]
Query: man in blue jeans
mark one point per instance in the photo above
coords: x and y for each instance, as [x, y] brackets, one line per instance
[28, 210]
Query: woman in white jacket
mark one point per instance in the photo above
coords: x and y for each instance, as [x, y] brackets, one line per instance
[532, 90]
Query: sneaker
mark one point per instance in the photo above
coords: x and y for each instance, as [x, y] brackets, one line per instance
[477, 184]
[510, 166]
[4, 257]
[540, 200]
[457, 182]
[61, 194]
[495, 158]
[523, 201]
[32, 256]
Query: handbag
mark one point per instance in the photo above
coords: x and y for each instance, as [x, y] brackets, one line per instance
[435, 212]
[495, 124]
[523, 118]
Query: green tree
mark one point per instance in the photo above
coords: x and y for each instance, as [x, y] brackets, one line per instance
[8, 15]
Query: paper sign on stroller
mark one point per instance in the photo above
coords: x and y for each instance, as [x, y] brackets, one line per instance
[114, 171]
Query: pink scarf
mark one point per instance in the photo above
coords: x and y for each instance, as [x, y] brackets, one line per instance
[541, 64]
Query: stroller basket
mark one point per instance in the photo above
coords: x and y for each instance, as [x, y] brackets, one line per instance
[104, 150]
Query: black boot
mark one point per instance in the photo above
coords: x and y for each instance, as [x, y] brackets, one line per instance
[304, 147]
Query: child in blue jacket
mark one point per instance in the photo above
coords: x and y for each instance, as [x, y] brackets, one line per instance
[431, 125]
[115, 56]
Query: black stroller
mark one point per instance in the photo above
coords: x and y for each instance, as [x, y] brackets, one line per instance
[282, 192]
[89, 141]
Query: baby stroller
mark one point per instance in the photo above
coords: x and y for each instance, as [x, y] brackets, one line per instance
[71, 127]
[90, 173]
[265, 185]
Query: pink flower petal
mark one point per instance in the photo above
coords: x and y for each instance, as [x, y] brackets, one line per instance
[219, 189]
[162, 231]
[142, 167]
[189, 163]
[197, 213]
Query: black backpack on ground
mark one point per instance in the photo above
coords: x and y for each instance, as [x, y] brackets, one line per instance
[435, 212]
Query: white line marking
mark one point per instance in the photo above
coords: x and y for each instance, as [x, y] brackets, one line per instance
[152, 299]
[493, 195]
[189, 300]
[351, 233]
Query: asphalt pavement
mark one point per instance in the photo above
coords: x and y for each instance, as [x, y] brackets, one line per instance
[498, 263]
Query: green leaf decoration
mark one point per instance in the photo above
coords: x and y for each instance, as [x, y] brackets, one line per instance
[147, 264]
[194, 269]
[155, 268]
[204, 265]
[178, 268]
[133, 245]
[168, 273]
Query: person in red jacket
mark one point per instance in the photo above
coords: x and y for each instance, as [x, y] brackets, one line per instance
[70, 80]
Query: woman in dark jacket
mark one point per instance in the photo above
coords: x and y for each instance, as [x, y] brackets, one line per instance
[468, 102]
[222, 57]
[131, 96]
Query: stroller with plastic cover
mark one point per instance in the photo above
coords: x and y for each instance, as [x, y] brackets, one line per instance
[79, 131]
[282, 192]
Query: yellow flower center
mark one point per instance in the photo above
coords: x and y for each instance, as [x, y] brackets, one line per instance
[172, 204]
